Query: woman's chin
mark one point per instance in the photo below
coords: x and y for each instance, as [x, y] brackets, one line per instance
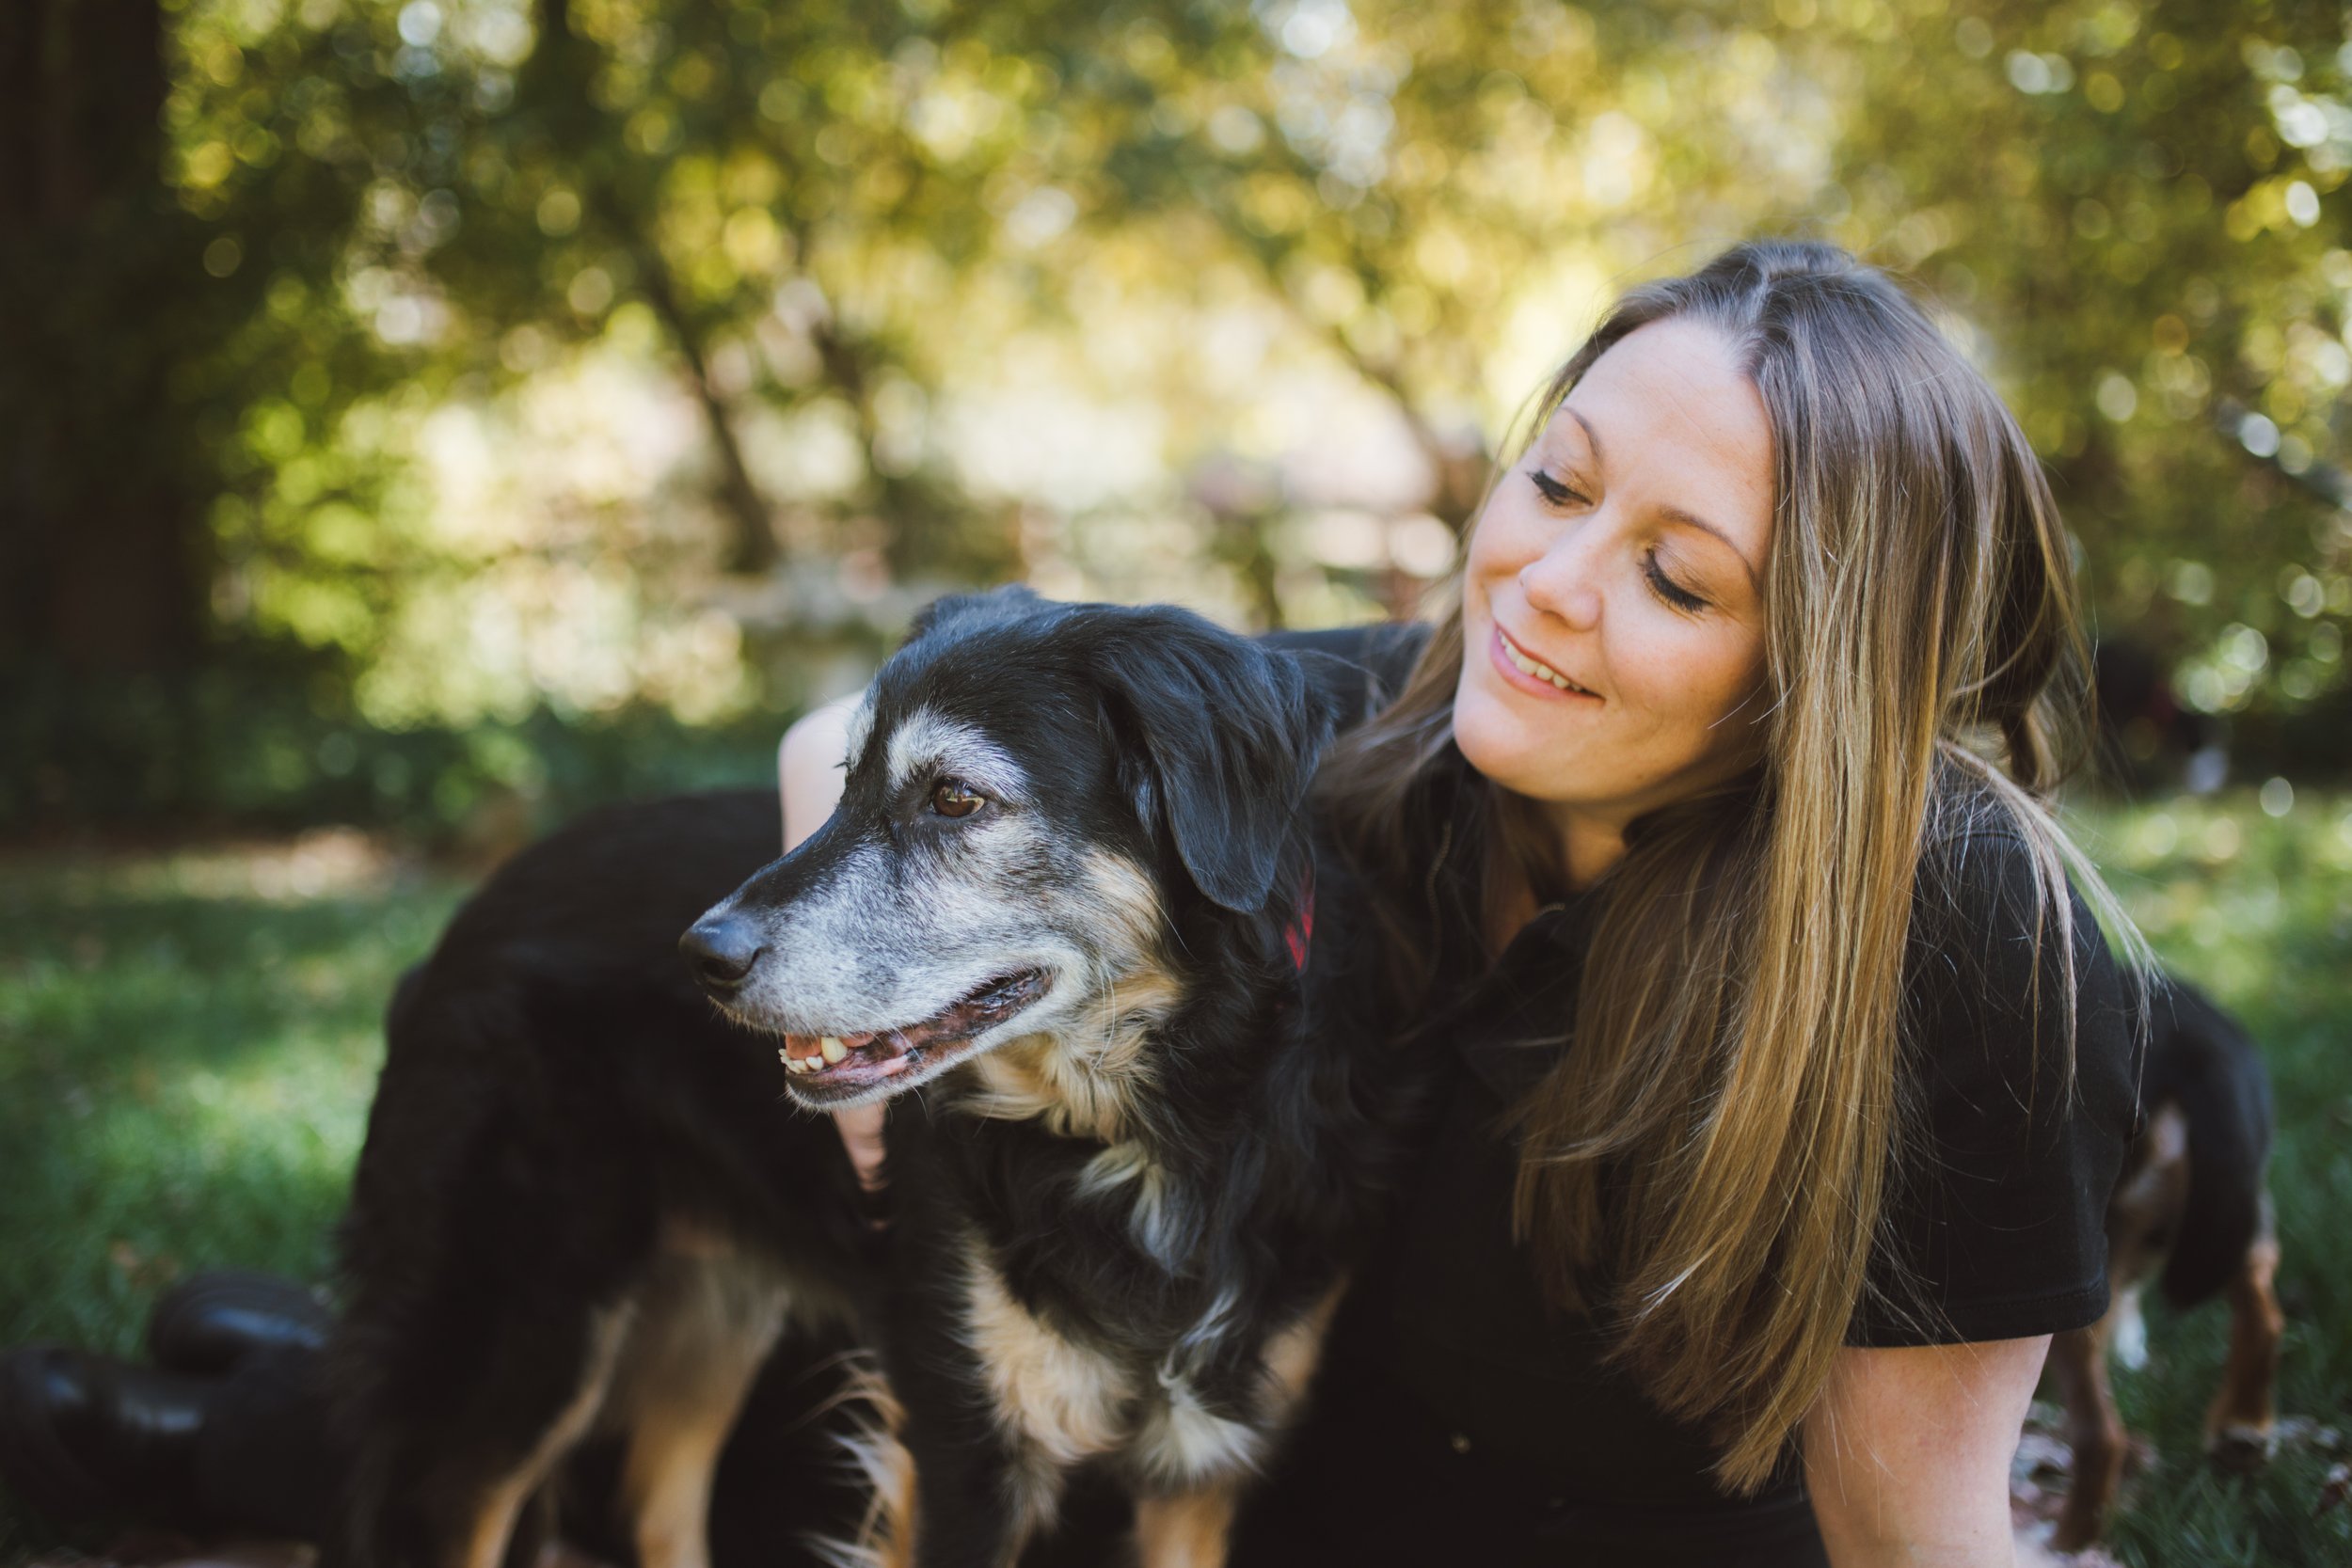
[1495, 737]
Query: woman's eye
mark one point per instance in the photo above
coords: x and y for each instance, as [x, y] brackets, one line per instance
[1558, 492]
[953, 798]
[1667, 589]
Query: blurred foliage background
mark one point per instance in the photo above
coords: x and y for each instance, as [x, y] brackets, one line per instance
[435, 415]
[416, 411]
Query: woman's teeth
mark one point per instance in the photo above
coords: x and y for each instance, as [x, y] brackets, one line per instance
[1540, 670]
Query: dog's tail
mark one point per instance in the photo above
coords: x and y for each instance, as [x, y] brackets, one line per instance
[2199, 1057]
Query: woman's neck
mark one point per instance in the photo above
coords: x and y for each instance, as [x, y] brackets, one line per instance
[1588, 844]
[1578, 848]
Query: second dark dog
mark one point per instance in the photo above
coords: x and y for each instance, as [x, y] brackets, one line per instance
[2191, 1212]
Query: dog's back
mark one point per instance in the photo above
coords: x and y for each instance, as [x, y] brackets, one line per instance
[2200, 1059]
[551, 1020]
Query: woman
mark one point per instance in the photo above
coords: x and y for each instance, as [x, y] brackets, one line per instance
[1729, 766]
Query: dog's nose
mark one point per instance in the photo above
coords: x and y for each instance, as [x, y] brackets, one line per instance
[721, 950]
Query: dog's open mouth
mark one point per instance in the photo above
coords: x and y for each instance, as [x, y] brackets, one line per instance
[829, 1065]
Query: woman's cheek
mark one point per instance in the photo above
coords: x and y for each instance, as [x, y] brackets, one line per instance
[1696, 691]
[1497, 739]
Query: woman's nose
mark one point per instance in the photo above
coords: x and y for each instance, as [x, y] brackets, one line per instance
[1563, 580]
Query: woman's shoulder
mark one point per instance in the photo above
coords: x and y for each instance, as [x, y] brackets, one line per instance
[1992, 883]
[1989, 879]
[2020, 1082]
[2020, 1087]
[2006, 953]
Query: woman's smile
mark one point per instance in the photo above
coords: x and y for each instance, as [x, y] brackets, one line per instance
[1530, 675]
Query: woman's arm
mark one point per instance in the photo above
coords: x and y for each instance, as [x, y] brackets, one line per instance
[1907, 1452]
[808, 766]
[808, 772]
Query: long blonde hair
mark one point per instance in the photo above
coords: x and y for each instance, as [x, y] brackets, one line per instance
[1705, 1171]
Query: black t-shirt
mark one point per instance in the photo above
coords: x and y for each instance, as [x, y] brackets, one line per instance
[1459, 1417]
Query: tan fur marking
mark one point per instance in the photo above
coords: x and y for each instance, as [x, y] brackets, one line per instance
[1291, 1355]
[2149, 1198]
[1129, 895]
[2146, 1206]
[1082, 1081]
[1185, 1445]
[708, 1320]
[2241, 1428]
[885, 1537]
[2095, 1429]
[483, 1543]
[2143, 1215]
[1063, 1400]
[1187, 1531]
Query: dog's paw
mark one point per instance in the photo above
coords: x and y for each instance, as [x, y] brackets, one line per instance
[2238, 1449]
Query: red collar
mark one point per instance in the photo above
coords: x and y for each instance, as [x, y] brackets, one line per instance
[1299, 929]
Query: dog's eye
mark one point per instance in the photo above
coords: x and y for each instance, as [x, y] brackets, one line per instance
[954, 798]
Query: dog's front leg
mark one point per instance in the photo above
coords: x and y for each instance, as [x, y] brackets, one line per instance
[2241, 1429]
[2079, 1359]
[1185, 1531]
[977, 1500]
[977, 1493]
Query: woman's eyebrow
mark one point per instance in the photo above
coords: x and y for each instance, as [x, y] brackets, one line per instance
[1591, 435]
[1691, 519]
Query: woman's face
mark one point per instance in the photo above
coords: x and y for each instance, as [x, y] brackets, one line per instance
[1613, 610]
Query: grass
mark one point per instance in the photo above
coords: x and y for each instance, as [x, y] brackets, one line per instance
[187, 1045]
[188, 1041]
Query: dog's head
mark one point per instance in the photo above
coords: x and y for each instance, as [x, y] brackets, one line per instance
[1035, 792]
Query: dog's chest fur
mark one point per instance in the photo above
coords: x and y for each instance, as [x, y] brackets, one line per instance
[1108, 1335]
[1199, 1415]
[1066, 1399]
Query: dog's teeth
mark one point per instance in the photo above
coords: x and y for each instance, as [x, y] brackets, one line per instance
[833, 1050]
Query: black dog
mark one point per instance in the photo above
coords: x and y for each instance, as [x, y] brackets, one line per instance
[1070, 886]
[2192, 1211]
[580, 1209]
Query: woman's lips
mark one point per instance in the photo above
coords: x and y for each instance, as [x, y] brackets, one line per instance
[1498, 651]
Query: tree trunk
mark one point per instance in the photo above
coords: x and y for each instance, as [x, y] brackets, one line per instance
[755, 537]
[104, 559]
[555, 83]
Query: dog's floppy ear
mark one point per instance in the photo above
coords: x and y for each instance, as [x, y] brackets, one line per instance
[997, 604]
[1225, 738]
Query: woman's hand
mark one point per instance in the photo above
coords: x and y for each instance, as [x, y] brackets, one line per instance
[1907, 1452]
[808, 771]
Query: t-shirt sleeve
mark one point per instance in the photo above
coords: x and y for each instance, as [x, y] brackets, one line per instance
[1994, 1221]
